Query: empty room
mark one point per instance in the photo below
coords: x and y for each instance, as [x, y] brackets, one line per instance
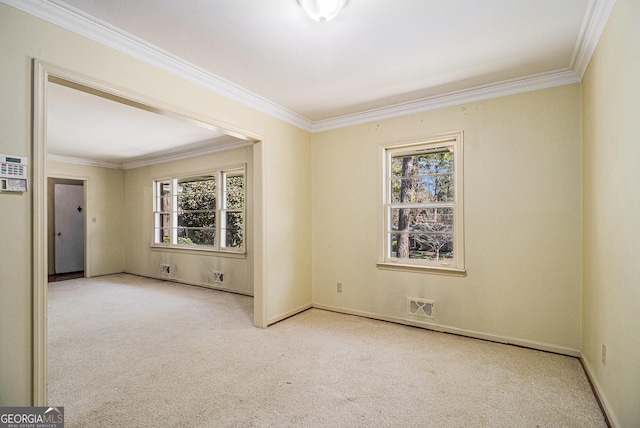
[375, 214]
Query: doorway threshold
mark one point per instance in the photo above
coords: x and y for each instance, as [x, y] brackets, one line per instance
[66, 276]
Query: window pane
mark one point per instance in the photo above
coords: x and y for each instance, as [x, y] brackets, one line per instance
[407, 165]
[162, 235]
[197, 219]
[235, 191]
[434, 163]
[164, 220]
[234, 238]
[425, 189]
[422, 178]
[425, 246]
[163, 194]
[197, 194]
[188, 236]
[234, 229]
[422, 219]
[234, 220]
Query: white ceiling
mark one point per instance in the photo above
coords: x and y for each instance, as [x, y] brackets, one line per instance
[375, 55]
[83, 126]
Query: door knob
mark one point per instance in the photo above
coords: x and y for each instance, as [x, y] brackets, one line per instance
[59, 233]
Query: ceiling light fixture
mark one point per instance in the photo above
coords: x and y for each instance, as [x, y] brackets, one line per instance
[322, 10]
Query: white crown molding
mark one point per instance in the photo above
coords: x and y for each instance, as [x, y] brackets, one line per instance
[186, 153]
[77, 21]
[595, 20]
[180, 153]
[83, 161]
[479, 93]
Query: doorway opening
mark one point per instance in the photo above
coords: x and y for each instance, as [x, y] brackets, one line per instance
[66, 220]
[46, 74]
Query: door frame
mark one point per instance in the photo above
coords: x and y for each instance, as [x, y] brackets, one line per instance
[44, 73]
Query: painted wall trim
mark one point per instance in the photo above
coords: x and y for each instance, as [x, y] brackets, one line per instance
[193, 283]
[82, 161]
[39, 243]
[220, 146]
[42, 73]
[70, 18]
[592, 27]
[260, 263]
[288, 314]
[599, 391]
[79, 22]
[540, 346]
[479, 93]
[154, 159]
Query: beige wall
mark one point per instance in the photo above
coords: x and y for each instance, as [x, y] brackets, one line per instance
[522, 221]
[523, 188]
[282, 192]
[104, 190]
[611, 296]
[288, 214]
[189, 267]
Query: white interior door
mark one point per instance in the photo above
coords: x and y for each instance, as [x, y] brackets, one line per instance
[69, 227]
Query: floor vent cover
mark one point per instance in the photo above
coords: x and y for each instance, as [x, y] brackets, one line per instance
[421, 307]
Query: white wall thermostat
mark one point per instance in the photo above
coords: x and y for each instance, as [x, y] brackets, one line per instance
[13, 173]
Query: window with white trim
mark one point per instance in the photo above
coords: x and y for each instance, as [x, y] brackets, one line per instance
[205, 211]
[423, 214]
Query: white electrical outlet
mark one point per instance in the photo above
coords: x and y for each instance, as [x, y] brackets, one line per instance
[339, 287]
[166, 268]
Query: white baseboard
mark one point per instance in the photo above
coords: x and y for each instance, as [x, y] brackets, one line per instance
[602, 398]
[405, 321]
[288, 314]
[196, 283]
[461, 332]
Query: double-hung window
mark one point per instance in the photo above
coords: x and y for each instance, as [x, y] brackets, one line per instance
[422, 208]
[205, 211]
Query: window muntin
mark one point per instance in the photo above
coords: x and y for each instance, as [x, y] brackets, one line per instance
[205, 212]
[423, 204]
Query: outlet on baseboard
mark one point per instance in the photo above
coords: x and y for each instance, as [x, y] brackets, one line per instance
[166, 268]
[604, 355]
[339, 287]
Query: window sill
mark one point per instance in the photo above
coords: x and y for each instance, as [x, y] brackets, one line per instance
[422, 269]
[192, 250]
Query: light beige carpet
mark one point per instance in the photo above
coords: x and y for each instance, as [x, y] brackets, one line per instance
[126, 351]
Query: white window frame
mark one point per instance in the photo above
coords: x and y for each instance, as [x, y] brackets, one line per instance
[454, 266]
[221, 210]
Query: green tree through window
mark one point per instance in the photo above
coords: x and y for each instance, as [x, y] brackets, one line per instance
[206, 211]
[197, 211]
[423, 204]
[423, 232]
